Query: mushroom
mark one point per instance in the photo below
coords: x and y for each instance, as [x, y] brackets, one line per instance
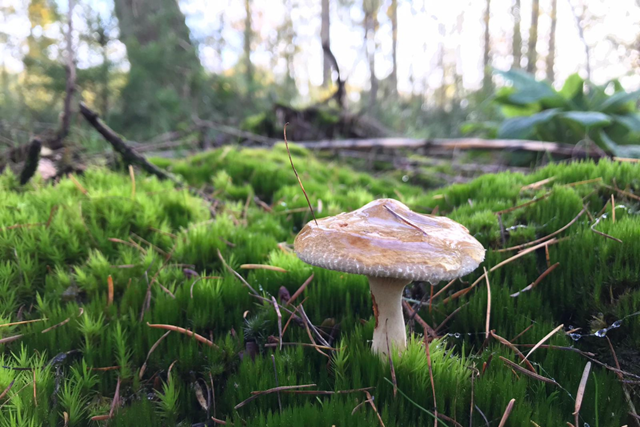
[393, 246]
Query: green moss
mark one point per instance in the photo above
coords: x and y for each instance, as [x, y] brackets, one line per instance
[56, 267]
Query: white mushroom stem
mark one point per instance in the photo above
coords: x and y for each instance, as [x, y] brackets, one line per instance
[386, 296]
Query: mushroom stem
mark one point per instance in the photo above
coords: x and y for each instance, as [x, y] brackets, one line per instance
[386, 296]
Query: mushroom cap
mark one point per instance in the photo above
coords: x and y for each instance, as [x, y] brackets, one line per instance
[385, 238]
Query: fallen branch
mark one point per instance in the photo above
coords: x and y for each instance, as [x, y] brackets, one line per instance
[127, 152]
[568, 150]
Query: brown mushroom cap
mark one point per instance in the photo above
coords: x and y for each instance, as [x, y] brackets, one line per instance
[386, 239]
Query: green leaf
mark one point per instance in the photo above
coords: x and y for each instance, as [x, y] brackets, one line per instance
[573, 86]
[529, 90]
[627, 151]
[588, 119]
[619, 100]
[524, 127]
[630, 121]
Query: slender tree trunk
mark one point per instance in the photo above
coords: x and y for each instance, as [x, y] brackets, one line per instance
[248, 35]
[532, 55]
[587, 52]
[326, 41]
[516, 41]
[393, 15]
[551, 56]
[370, 25]
[486, 59]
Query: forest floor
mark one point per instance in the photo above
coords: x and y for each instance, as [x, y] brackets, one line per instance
[133, 301]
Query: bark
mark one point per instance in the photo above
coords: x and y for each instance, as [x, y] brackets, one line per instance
[70, 88]
[486, 58]
[162, 59]
[532, 55]
[516, 41]
[325, 40]
[587, 52]
[370, 25]
[393, 15]
[248, 35]
[551, 57]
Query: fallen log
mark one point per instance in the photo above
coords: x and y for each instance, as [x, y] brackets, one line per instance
[567, 150]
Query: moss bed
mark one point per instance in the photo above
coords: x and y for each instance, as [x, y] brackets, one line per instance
[62, 244]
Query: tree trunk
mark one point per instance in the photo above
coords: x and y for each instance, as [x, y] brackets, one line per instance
[248, 35]
[370, 25]
[162, 59]
[326, 41]
[551, 56]
[486, 58]
[516, 41]
[393, 15]
[587, 53]
[533, 37]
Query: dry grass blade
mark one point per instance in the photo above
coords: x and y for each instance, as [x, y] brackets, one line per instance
[199, 279]
[78, 185]
[507, 412]
[394, 380]
[221, 422]
[586, 181]
[325, 392]
[35, 389]
[373, 405]
[256, 394]
[626, 193]
[235, 273]
[411, 312]
[51, 328]
[603, 234]
[538, 184]
[547, 237]
[151, 350]
[303, 344]
[537, 281]
[527, 373]
[580, 394]
[522, 333]
[293, 314]
[286, 143]
[124, 242]
[497, 266]
[116, 399]
[6, 390]
[546, 337]
[109, 291]
[22, 322]
[275, 306]
[104, 369]
[515, 350]
[183, 331]
[524, 205]
[613, 209]
[306, 325]
[433, 384]
[405, 220]
[301, 289]
[53, 211]
[133, 182]
[449, 317]
[444, 288]
[263, 267]
[486, 325]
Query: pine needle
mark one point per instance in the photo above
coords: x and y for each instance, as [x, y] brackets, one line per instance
[507, 412]
[286, 143]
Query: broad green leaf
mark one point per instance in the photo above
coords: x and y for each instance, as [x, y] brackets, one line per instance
[588, 119]
[520, 110]
[573, 86]
[619, 100]
[529, 90]
[630, 121]
[628, 151]
[524, 127]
